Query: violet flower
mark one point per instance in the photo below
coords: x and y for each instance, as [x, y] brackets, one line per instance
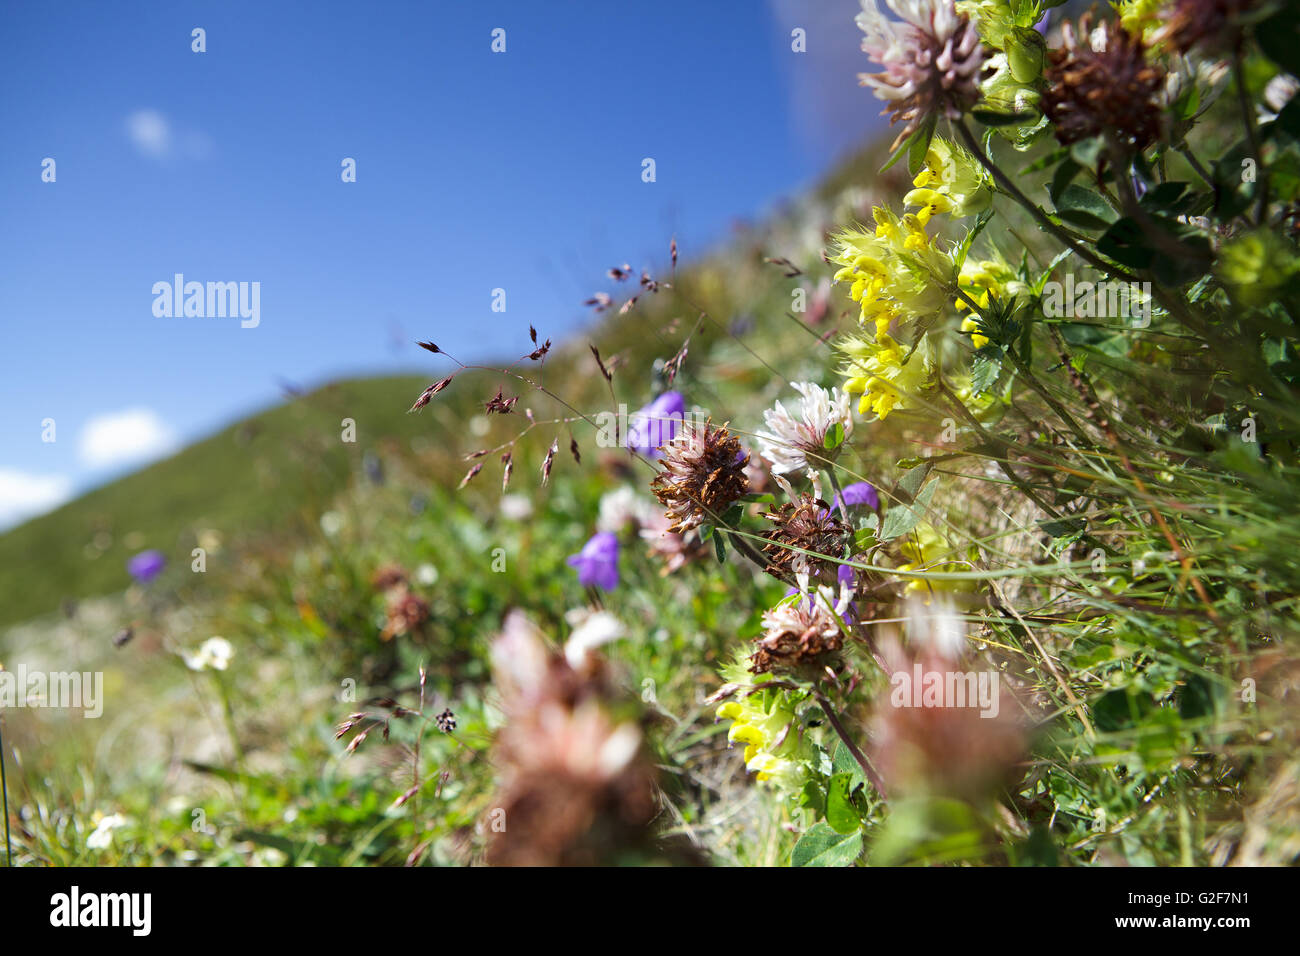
[146, 566]
[859, 493]
[597, 562]
[656, 424]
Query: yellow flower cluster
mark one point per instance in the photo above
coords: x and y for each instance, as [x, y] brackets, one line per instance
[896, 271]
[876, 370]
[773, 746]
[982, 281]
[951, 181]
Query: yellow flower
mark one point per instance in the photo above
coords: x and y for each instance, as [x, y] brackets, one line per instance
[951, 181]
[896, 272]
[765, 725]
[882, 373]
[982, 281]
[928, 549]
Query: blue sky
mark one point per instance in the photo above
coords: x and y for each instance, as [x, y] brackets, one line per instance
[475, 170]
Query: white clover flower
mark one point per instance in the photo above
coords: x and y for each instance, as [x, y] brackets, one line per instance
[214, 653]
[101, 838]
[793, 435]
[591, 629]
[516, 507]
[931, 61]
[624, 506]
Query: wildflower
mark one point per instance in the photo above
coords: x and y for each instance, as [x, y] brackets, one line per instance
[675, 550]
[576, 788]
[703, 474]
[622, 507]
[597, 562]
[897, 272]
[215, 654]
[101, 838]
[806, 524]
[801, 635]
[146, 566]
[446, 721]
[951, 746]
[792, 437]
[406, 612]
[1257, 265]
[1213, 25]
[859, 493]
[1099, 83]
[763, 721]
[931, 60]
[928, 549]
[883, 374]
[516, 507]
[656, 424]
[951, 181]
[388, 577]
[591, 629]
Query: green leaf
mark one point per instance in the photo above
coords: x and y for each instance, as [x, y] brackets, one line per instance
[1062, 527]
[1279, 38]
[899, 520]
[1064, 174]
[984, 369]
[843, 763]
[834, 437]
[911, 482]
[720, 548]
[822, 846]
[841, 813]
[1083, 207]
[920, 145]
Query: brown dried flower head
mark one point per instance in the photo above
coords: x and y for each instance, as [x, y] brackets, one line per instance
[703, 474]
[808, 524]
[1099, 82]
[1212, 25]
[800, 636]
[407, 612]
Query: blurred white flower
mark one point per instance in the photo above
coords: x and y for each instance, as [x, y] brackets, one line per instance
[102, 836]
[516, 507]
[624, 506]
[214, 653]
[426, 574]
[793, 435]
[331, 522]
[591, 629]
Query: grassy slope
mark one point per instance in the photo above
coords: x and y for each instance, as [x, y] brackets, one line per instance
[265, 474]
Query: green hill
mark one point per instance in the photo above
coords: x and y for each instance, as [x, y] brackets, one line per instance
[264, 475]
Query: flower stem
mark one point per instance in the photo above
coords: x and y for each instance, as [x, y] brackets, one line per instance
[858, 755]
[1252, 134]
[4, 790]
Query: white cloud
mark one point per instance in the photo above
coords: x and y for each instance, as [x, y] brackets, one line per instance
[153, 135]
[129, 437]
[24, 495]
[150, 133]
